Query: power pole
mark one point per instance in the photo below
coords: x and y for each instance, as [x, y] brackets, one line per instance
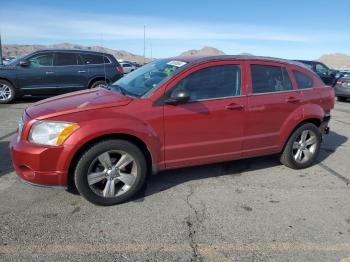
[144, 44]
[0, 51]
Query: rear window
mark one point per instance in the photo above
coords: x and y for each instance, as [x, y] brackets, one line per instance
[94, 59]
[267, 79]
[303, 81]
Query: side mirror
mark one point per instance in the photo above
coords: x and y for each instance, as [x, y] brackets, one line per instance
[178, 96]
[23, 63]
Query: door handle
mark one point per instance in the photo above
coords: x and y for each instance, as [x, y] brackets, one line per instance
[49, 72]
[292, 100]
[81, 71]
[234, 107]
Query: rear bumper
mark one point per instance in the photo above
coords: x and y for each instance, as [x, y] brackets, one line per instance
[324, 128]
[38, 165]
[342, 91]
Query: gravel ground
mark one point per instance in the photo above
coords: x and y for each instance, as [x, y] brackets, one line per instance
[247, 210]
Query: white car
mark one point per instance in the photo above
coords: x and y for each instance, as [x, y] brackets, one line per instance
[127, 67]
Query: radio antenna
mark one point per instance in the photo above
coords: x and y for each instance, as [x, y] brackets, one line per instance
[0, 51]
[104, 62]
[144, 44]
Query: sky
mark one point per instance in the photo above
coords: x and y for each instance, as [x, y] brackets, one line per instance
[304, 29]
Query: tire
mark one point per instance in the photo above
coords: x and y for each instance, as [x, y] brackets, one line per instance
[7, 92]
[97, 188]
[341, 99]
[308, 152]
[99, 83]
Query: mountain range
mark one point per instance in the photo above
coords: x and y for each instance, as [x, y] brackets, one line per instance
[17, 50]
[337, 60]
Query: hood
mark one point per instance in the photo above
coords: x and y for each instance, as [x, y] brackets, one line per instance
[7, 67]
[77, 102]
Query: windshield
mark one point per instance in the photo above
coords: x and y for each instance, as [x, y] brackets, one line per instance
[147, 77]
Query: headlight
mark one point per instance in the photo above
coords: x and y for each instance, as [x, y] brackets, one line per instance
[51, 133]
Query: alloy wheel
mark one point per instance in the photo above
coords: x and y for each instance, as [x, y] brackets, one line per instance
[112, 174]
[304, 147]
[5, 92]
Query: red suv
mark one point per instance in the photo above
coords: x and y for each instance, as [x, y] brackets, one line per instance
[172, 113]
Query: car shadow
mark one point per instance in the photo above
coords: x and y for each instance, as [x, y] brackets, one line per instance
[168, 179]
[329, 145]
[5, 159]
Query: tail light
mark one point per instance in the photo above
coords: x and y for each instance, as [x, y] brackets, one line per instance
[120, 69]
[339, 82]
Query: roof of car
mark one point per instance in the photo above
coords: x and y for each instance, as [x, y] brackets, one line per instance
[306, 61]
[199, 59]
[71, 50]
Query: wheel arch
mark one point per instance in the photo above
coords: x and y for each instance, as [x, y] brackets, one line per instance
[313, 120]
[122, 136]
[97, 78]
[307, 113]
[8, 80]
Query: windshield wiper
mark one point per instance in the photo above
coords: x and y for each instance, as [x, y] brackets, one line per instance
[122, 90]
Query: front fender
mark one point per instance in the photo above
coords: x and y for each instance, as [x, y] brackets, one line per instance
[113, 124]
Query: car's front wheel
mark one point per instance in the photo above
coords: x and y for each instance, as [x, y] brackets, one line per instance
[302, 147]
[7, 92]
[110, 172]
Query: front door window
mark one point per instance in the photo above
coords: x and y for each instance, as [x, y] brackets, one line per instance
[41, 60]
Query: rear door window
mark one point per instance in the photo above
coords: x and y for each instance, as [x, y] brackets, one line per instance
[65, 59]
[268, 79]
[303, 81]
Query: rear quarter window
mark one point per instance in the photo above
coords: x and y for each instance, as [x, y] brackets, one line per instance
[303, 80]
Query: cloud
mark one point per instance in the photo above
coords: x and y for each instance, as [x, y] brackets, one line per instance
[48, 24]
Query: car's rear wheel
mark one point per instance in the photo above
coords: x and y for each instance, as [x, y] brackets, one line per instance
[110, 172]
[100, 83]
[7, 92]
[302, 147]
[341, 99]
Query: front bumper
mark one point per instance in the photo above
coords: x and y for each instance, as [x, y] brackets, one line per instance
[37, 164]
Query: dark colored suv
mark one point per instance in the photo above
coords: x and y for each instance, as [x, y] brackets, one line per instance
[172, 113]
[328, 76]
[52, 72]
